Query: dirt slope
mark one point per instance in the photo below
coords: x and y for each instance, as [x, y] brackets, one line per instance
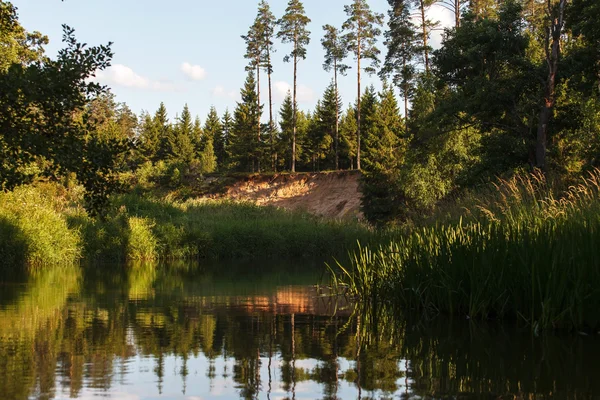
[332, 194]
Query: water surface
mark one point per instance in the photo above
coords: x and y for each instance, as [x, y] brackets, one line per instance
[260, 330]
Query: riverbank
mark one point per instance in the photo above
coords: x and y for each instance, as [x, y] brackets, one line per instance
[521, 254]
[46, 224]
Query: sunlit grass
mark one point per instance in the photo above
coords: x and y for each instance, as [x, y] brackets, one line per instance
[529, 256]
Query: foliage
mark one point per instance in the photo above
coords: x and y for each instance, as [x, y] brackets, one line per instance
[43, 120]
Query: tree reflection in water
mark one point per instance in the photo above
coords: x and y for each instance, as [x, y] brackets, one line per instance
[64, 333]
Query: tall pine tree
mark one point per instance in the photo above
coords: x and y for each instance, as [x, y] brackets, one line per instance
[292, 29]
[335, 52]
[362, 27]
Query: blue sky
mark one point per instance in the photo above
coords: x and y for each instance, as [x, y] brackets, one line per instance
[190, 51]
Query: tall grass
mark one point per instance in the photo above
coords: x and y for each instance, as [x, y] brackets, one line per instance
[529, 255]
[33, 230]
[46, 224]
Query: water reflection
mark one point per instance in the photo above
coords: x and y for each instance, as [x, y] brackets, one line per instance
[228, 332]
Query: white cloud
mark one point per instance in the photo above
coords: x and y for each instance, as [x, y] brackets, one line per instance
[220, 91]
[303, 94]
[122, 75]
[193, 72]
[446, 20]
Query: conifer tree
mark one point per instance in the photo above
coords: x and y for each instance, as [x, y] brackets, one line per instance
[212, 129]
[335, 52]
[348, 135]
[402, 44]
[197, 134]
[268, 23]
[381, 194]
[242, 138]
[292, 29]
[362, 27]
[426, 26]
[149, 137]
[369, 108]
[182, 146]
[164, 131]
[328, 117]
[254, 53]
[286, 123]
[221, 141]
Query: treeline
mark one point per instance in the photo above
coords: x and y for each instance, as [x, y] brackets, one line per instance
[514, 86]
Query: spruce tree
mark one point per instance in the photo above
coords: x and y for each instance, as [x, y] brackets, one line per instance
[348, 136]
[221, 141]
[328, 117]
[362, 27]
[212, 129]
[148, 137]
[292, 29]
[182, 146]
[161, 124]
[369, 107]
[286, 123]
[243, 139]
[381, 194]
[196, 135]
[335, 52]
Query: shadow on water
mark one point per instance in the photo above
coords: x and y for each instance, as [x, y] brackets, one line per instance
[259, 330]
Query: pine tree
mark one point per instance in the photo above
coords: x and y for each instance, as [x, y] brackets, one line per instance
[268, 23]
[335, 52]
[243, 140]
[362, 32]
[426, 26]
[402, 43]
[292, 29]
[254, 53]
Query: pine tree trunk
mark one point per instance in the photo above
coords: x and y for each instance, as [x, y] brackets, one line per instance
[294, 109]
[552, 57]
[271, 128]
[424, 24]
[337, 117]
[405, 92]
[358, 109]
[457, 13]
[257, 150]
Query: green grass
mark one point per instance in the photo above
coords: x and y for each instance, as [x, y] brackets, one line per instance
[46, 224]
[528, 256]
[33, 231]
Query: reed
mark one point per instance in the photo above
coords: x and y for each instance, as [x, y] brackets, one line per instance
[529, 256]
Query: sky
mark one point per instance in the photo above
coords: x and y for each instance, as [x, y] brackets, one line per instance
[190, 51]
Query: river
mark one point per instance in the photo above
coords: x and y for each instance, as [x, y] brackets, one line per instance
[259, 330]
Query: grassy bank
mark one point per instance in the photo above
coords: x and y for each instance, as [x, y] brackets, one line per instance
[522, 253]
[46, 224]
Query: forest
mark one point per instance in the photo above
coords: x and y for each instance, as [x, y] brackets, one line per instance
[482, 152]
